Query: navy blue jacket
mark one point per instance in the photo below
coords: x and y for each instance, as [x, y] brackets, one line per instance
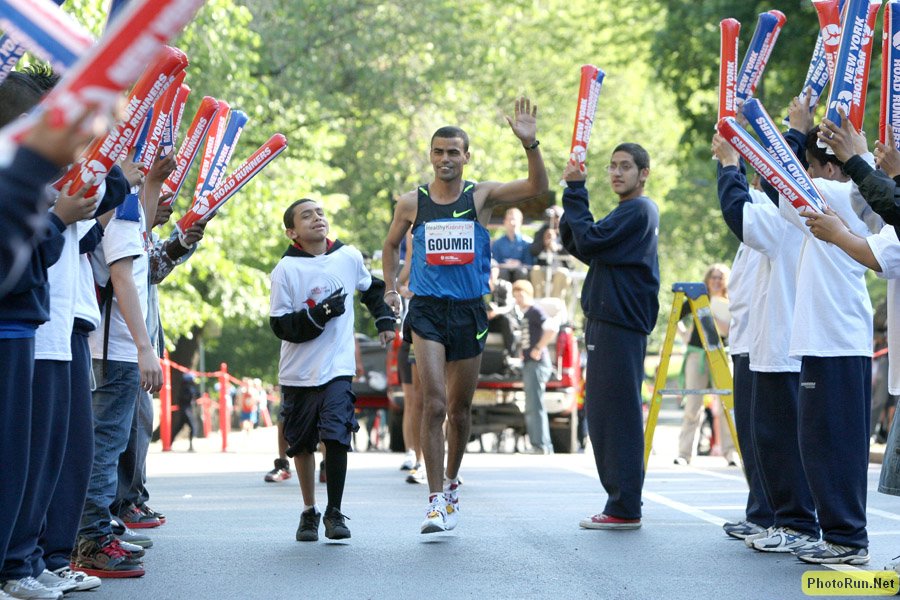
[622, 283]
[23, 218]
[734, 193]
[29, 299]
[878, 189]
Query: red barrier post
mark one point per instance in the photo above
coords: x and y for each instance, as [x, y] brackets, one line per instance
[165, 404]
[224, 413]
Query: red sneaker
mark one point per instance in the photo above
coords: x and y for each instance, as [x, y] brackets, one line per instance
[604, 521]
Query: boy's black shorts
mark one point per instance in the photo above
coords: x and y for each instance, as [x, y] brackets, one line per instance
[311, 414]
[460, 325]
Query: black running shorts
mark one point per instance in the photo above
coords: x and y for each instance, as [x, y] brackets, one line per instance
[460, 325]
[311, 414]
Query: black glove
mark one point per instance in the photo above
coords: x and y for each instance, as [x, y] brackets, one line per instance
[329, 308]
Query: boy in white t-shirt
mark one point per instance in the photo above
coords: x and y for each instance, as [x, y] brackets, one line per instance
[312, 313]
[125, 363]
[879, 252]
[774, 444]
[130, 506]
[832, 335]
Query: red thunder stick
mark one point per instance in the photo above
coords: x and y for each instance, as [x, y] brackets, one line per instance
[728, 66]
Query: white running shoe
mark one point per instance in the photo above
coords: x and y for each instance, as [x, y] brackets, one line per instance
[417, 475]
[742, 529]
[451, 495]
[52, 581]
[83, 582]
[783, 539]
[827, 553]
[29, 588]
[410, 463]
[436, 517]
[756, 536]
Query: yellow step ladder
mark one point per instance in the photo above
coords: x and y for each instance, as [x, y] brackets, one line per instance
[720, 374]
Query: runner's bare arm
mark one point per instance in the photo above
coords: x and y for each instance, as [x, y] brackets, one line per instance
[524, 126]
[404, 215]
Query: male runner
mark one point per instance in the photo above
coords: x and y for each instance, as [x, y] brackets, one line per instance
[450, 272]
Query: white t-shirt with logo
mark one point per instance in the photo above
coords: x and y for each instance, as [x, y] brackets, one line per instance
[300, 282]
[833, 313]
[123, 238]
[774, 289]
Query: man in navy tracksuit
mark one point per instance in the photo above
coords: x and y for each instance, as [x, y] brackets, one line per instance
[620, 302]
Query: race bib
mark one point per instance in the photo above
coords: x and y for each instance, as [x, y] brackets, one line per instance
[449, 243]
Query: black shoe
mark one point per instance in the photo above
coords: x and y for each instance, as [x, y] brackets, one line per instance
[335, 528]
[308, 530]
[105, 558]
[149, 512]
[281, 471]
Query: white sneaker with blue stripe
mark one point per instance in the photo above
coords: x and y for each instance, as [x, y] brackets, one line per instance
[783, 539]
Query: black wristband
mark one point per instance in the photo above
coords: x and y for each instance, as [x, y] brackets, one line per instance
[533, 145]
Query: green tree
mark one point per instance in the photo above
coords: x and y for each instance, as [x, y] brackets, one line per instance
[358, 86]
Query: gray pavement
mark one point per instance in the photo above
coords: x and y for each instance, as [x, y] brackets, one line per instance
[230, 535]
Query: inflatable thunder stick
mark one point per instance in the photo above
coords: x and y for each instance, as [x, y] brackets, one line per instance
[233, 183]
[213, 141]
[776, 146]
[236, 122]
[816, 76]
[588, 93]
[43, 29]
[132, 42]
[141, 140]
[764, 164]
[829, 13]
[850, 53]
[861, 81]
[196, 133]
[728, 66]
[173, 123]
[889, 115]
[162, 111]
[768, 26]
[94, 167]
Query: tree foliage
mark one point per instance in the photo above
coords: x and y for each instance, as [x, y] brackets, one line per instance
[358, 86]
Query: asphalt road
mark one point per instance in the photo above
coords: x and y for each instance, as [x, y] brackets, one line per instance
[230, 535]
